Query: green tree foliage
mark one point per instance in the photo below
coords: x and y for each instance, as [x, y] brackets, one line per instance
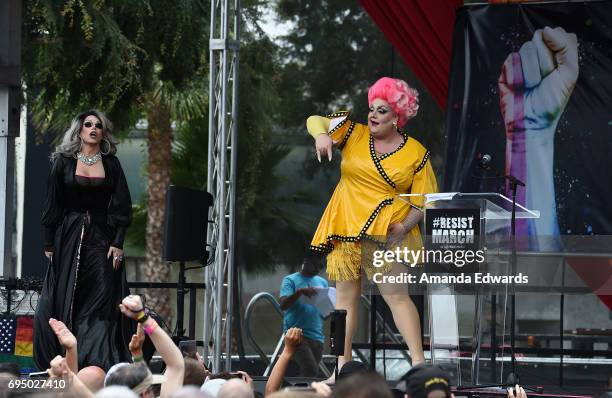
[263, 212]
[107, 54]
[333, 53]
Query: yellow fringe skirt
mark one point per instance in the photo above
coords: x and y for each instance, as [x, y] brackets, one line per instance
[347, 260]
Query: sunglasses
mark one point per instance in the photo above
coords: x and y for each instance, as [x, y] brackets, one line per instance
[89, 124]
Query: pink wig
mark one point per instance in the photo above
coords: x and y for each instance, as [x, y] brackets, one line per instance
[403, 99]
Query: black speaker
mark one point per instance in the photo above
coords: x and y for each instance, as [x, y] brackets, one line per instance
[338, 332]
[185, 224]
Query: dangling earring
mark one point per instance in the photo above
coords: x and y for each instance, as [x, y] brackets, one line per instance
[104, 140]
[397, 128]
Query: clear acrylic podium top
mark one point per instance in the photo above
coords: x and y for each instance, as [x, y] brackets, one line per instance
[444, 318]
[493, 206]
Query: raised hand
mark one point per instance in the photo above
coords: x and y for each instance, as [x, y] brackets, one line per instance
[293, 339]
[131, 305]
[542, 75]
[137, 341]
[58, 367]
[535, 85]
[64, 335]
[517, 392]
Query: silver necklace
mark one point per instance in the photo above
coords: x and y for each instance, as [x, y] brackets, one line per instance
[89, 160]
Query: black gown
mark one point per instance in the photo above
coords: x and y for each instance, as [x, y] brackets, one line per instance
[83, 217]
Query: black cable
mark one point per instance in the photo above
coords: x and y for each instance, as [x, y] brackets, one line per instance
[20, 301]
[31, 296]
[384, 344]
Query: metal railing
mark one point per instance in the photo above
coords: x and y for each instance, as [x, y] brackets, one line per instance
[247, 321]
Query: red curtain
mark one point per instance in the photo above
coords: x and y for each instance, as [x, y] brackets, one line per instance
[421, 31]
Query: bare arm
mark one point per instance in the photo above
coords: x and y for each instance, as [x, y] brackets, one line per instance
[288, 301]
[292, 340]
[68, 341]
[397, 231]
[175, 364]
[58, 368]
[170, 353]
[412, 219]
[136, 343]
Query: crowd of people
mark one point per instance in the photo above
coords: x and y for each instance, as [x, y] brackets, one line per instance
[187, 377]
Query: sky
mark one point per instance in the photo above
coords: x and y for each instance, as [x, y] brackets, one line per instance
[271, 26]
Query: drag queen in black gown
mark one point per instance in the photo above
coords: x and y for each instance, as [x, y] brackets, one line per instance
[87, 211]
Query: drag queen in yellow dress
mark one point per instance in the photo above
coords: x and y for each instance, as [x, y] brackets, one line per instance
[379, 161]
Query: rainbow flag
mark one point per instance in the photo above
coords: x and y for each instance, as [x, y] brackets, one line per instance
[16, 341]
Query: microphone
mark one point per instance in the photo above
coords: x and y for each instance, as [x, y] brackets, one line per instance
[484, 161]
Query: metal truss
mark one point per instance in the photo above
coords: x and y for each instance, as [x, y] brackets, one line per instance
[222, 151]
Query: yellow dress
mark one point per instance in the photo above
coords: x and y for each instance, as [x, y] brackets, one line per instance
[365, 201]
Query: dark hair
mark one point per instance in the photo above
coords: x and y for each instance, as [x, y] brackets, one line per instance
[422, 379]
[313, 258]
[351, 368]
[363, 385]
[11, 368]
[195, 374]
[225, 376]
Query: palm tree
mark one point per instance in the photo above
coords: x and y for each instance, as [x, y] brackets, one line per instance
[167, 105]
[130, 59]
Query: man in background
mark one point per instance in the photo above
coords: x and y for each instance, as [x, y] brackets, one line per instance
[304, 316]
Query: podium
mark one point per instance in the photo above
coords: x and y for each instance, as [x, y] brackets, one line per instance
[455, 222]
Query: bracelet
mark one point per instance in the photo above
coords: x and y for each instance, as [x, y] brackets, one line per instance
[143, 315]
[139, 358]
[150, 329]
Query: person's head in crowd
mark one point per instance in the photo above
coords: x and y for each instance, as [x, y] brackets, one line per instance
[92, 377]
[195, 373]
[225, 375]
[235, 388]
[362, 385]
[212, 386]
[138, 378]
[116, 392]
[190, 392]
[426, 381]
[312, 264]
[10, 369]
[350, 368]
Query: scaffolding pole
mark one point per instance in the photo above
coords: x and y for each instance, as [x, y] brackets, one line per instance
[222, 151]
